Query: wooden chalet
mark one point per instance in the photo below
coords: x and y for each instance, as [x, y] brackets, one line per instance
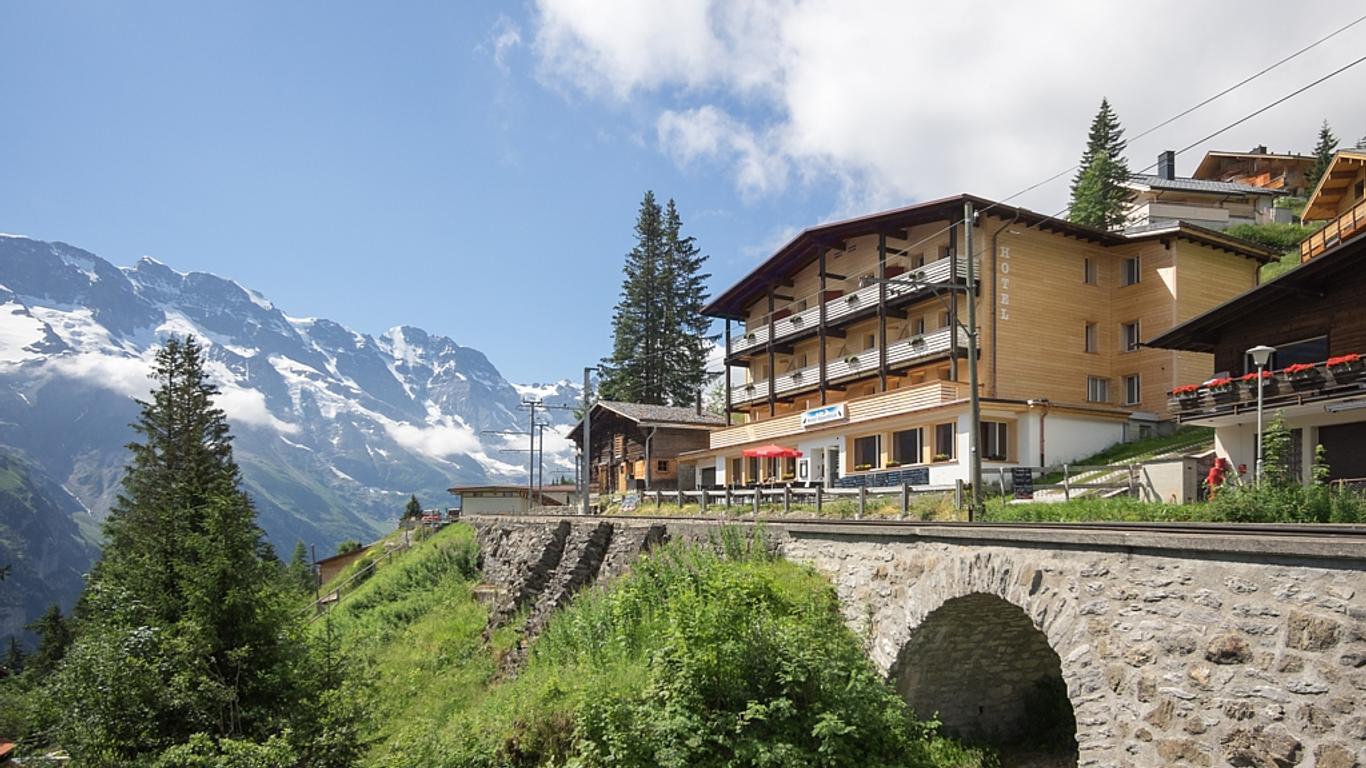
[1339, 200]
[1312, 316]
[636, 446]
[1257, 167]
[852, 342]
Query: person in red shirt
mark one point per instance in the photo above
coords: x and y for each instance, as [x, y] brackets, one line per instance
[1218, 474]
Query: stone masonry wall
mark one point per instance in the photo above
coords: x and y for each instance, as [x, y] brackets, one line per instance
[1170, 657]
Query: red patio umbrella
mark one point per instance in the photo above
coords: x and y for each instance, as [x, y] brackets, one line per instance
[771, 452]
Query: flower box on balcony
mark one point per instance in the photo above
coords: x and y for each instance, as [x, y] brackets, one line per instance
[862, 467]
[893, 463]
[917, 340]
[751, 337]
[1303, 374]
[1221, 388]
[1249, 380]
[1345, 368]
[852, 360]
[852, 299]
[796, 320]
[796, 375]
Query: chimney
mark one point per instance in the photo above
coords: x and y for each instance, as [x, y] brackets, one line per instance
[1166, 165]
[699, 401]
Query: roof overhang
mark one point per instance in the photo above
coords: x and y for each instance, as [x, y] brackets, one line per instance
[1336, 178]
[734, 302]
[1202, 332]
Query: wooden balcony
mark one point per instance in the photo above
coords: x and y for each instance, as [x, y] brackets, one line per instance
[1344, 227]
[864, 364]
[894, 403]
[855, 303]
[1322, 384]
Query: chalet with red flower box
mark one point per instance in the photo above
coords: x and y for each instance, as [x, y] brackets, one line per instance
[1316, 378]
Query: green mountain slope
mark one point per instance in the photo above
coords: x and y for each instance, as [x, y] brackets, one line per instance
[46, 538]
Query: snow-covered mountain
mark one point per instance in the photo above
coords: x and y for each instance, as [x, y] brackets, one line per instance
[333, 428]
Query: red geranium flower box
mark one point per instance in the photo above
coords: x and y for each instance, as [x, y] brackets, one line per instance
[1186, 390]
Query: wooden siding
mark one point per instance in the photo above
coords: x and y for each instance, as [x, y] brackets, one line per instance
[894, 403]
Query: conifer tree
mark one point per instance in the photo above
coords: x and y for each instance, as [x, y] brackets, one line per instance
[184, 628]
[300, 570]
[413, 510]
[1323, 155]
[660, 339]
[54, 638]
[14, 658]
[1099, 196]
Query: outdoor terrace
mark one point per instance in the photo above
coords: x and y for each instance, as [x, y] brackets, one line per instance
[1338, 380]
[847, 300]
[1344, 227]
[895, 402]
[918, 348]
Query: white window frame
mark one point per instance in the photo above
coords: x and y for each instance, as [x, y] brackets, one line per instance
[1137, 393]
[1136, 273]
[1131, 344]
[1097, 389]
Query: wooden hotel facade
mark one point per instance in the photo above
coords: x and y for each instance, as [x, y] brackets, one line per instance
[853, 342]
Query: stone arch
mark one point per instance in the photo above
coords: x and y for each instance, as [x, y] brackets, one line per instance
[979, 662]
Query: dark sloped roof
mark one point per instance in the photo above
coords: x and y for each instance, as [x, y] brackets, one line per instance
[1201, 333]
[660, 414]
[1201, 185]
[734, 302]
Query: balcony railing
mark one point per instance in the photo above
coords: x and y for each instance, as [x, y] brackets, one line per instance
[1296, 386]
[787, 324]
[863, 364]
[895, 402]
[1344, 227]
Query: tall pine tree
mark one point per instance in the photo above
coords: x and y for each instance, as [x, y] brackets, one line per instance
[1323, 155]
[660, 337]
[185, 627]
[1099, 196]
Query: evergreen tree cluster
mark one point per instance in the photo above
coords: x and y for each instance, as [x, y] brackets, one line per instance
[1323, 155]
[187, 646]
[660, 336]
[1099, 196]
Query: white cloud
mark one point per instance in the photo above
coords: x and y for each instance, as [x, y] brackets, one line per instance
[437, 441]
[124, 375]
[890, 101]
[506, 37]
[248, 406]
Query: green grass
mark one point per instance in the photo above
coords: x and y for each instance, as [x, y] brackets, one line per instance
[1184, 439]
[692, 659]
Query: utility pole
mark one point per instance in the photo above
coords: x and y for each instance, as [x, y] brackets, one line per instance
[975, 408]
[585, 456]
[532, 404]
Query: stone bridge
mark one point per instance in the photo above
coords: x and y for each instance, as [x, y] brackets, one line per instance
[1163, 646]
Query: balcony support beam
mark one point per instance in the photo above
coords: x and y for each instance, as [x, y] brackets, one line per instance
[953, 303]
[772, 406]
[821, 331]
[882, 312]
[725, 368]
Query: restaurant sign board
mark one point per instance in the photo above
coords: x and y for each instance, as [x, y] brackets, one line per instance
[824, 415]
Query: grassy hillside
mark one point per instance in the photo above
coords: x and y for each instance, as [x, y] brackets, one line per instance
[693, 660]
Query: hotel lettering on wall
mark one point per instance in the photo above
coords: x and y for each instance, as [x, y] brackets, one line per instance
[1004, 277]
[824, 415]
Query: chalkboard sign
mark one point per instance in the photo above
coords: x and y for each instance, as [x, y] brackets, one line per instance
[916, 476]
[908, 476]
[1022, 478]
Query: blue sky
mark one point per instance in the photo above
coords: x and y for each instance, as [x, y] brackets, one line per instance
[474, 169]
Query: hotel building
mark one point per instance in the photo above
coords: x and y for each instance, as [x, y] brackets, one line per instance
[853, 342]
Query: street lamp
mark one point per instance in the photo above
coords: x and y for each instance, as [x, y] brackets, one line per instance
[1261, 356]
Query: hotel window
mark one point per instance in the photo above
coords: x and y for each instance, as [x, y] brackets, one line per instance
[1131, 270]
[736, 471]
[867, 452]
[1097, 389]
[662, 465]
[943, 251]
[1133, 391]
[917, 261]
[1090, 271]
[944, 319]
[1092, 343]
[869, 340]
[908, 446]
[918, 326]
[1131, 336]
[994, 440]
[944, 435]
